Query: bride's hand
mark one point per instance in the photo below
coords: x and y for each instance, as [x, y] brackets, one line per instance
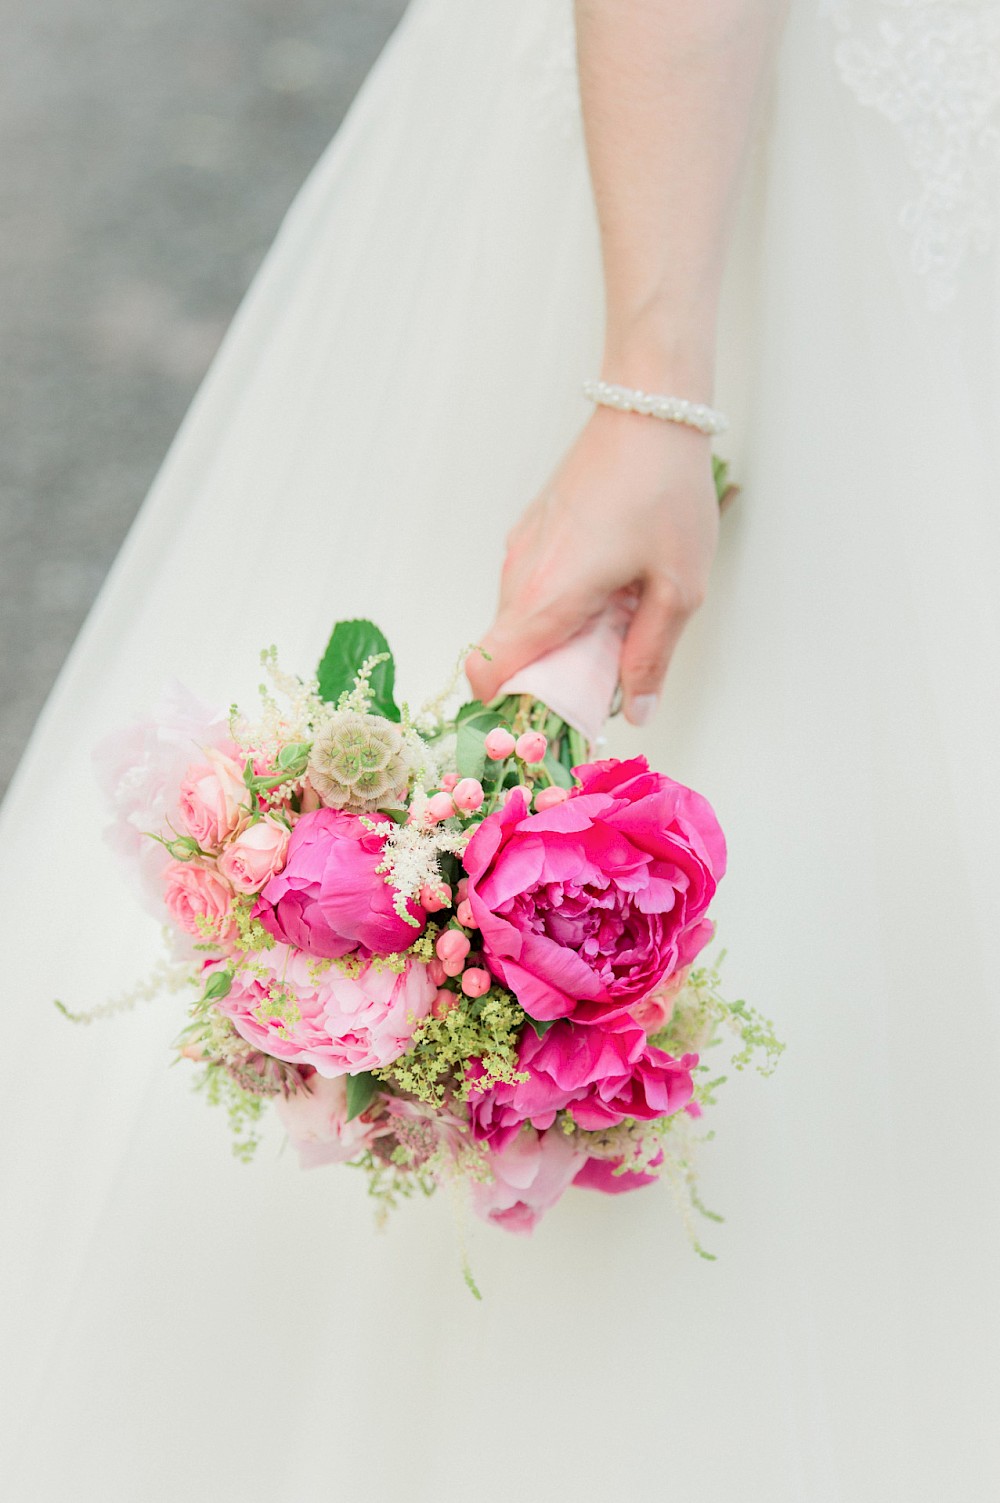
[633, 503]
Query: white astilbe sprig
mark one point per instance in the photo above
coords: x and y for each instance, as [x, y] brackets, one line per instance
[411, 856]
[359, 698]
[426, 762]
[166, 976]
[430, 718]
[291, 711]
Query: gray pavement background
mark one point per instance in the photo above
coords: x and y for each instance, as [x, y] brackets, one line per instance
[148, 149]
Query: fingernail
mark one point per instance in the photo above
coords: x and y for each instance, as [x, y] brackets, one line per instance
[641, 708]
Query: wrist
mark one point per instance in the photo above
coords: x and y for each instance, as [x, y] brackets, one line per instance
[659, 355]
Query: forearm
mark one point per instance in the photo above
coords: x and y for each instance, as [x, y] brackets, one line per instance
[669, 89]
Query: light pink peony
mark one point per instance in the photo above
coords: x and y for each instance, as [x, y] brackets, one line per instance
[601, 1076]
[213, 799]
[199, 901]
[584, 909]
[315, 1119]
[255, 854]
[329, 899]
[140, 770]
[338, 1024]
[530, 1174]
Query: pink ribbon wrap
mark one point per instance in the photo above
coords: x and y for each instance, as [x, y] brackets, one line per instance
[578, 680]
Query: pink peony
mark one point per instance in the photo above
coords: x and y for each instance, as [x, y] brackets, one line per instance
[601, 1077]
[587, 907]
[198, 901]
[339, 1024]
[255, 854]
[530, 1174]
[329, 898]
[599, 1174]
[315, 1118]
[213, 799]
[422, 1130]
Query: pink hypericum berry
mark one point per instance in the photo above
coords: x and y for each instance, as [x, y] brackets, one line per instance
[499, 744]
[441, 806]
[518, 788]
[547, 798]
[444, 1003]
[449, 781]
[462, 891]
[464, 915]
[531, 747]
[434, 896]
[452, 945]
[454, 967]
[468, 795]
[475, 982]
[436, 971]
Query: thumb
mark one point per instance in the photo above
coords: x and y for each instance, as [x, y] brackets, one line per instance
[648, 647]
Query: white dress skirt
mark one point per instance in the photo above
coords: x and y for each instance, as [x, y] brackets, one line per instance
[400, 379]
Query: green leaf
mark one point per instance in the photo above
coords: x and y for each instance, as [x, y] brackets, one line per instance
[218, 985]
[351, 642]
[360, 1091]
[559, 774]
[540, 1025]
[471, 732]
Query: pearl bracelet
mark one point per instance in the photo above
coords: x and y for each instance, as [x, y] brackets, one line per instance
[670, 409]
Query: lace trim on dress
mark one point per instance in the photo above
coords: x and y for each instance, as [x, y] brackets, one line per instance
[932, 69]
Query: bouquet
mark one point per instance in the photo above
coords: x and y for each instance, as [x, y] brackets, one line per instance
[450, 946]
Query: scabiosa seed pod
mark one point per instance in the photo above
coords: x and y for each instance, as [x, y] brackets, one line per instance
[359, 763]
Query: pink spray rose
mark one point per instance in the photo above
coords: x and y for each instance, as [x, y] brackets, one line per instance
[255, 854]
[315, 1118]
[199, 901]
[655, 1011]
[329, 898]
[339, 1024]
[600, 1076]
[530, 1174]
[213, 799]
[587, 907]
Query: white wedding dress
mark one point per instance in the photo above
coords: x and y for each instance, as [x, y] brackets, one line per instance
[403, 373]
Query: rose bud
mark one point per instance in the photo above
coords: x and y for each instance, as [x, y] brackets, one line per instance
[452, 945]
[468, 795]
[438, 808]
[475, 982]
[499, 744]
[547, 798]
[435, 896]
[444, 1003]
[531, 747]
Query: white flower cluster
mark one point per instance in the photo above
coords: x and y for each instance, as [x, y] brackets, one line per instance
[411, 856]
